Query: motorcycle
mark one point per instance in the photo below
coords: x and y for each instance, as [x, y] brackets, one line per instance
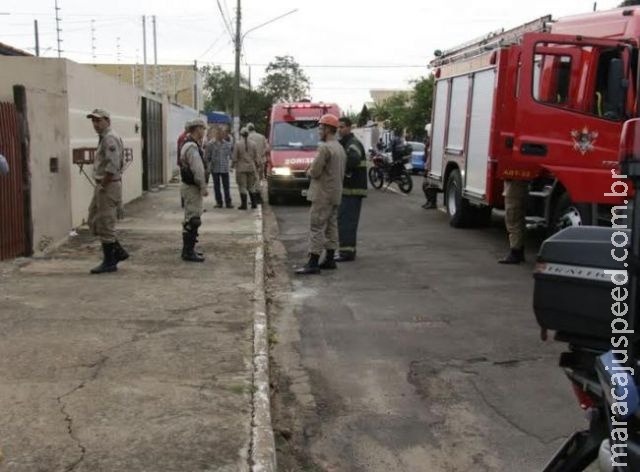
[384, 169]
[573, 296]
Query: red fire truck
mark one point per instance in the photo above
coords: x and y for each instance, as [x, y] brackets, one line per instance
[544, 102]
[293, 139]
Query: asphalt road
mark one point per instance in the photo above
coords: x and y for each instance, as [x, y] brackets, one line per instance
[423, 355]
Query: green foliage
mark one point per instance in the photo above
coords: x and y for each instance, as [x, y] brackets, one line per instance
[285, 80]
[364, 116]
[409, 111]
[218, 89]
[629, 3]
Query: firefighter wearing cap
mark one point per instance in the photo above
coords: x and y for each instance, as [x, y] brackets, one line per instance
[107, 195]
[326, 174]
[245, 161]
[354, 189]
[194, 187]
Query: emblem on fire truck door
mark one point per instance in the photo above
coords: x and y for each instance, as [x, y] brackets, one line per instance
[584, 140]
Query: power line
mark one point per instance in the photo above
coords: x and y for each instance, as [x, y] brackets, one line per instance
[224, 20]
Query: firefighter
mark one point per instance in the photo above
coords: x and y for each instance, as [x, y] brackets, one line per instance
[107, 195]
[515, 202]
[263, 147]
[194, 187]
[326, 174]
[354, 189]
[245, 162]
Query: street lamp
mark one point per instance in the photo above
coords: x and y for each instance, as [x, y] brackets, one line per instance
[236, 86]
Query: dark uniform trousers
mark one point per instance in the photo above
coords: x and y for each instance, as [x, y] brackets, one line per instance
[348, 218]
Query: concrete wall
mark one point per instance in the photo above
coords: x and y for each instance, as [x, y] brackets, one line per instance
[89, 89]
[47, 107]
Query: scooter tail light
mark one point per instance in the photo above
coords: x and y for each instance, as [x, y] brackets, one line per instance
[585, 401]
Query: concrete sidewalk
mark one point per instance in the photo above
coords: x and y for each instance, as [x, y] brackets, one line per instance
[147, 369]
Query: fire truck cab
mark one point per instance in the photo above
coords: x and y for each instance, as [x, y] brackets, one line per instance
[293, 138]
[544, 102]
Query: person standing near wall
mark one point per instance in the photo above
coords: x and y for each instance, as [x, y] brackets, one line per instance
[194, 188]
[263, 148]
[107, 195]
[218, 155]
[245, 162]
[354, 189]
[325, 192]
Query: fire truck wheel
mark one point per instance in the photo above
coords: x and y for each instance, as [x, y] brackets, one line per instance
[565, 214]
[458, 208]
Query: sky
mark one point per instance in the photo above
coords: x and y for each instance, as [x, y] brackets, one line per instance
[345, 47]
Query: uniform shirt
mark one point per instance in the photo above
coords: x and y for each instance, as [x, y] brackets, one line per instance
[355, 177]
[190, 156]
[245, 156]
[261, 144]
[109, 156]
[326, 173]
[217, 155]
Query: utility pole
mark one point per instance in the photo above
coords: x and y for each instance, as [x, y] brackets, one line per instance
[93, 40]
[155, 56]
[35, 27]
[58, 29]
[236, 85]
[118, 58]
[144, 52]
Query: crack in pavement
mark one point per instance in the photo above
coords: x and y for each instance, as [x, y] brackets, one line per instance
[509, 420]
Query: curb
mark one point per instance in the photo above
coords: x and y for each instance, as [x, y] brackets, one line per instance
[263, 450]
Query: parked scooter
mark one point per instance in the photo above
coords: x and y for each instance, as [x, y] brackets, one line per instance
[586, 290]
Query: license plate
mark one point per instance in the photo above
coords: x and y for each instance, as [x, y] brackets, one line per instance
[408, 166]
[304, 193]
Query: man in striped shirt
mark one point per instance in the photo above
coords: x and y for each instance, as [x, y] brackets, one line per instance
[217, 155]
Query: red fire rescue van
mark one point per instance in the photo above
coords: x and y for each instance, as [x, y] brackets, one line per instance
[293, 139]
[544, 102]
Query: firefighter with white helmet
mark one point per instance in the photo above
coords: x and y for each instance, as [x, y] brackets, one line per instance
[326, 174]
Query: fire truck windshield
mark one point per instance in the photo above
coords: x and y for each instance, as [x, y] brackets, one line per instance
[295, 135]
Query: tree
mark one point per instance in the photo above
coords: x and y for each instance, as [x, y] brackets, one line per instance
[629, 3]
[218, 89]
[285, 80]
[364, 117]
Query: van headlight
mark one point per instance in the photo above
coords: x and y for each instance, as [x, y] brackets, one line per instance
[283, 171]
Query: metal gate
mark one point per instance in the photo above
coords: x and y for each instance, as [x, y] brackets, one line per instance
[13, 241]
[152, 174]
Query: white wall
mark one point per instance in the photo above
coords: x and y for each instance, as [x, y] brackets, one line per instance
[177, 116]
[45, 84]
[89, 89]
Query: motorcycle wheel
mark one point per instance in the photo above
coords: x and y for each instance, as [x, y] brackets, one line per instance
[375, 177]
[405, 182]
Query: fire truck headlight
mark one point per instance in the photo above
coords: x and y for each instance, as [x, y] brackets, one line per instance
[282, 171]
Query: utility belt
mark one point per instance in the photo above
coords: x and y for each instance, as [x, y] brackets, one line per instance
[186, 175]
[99, 181]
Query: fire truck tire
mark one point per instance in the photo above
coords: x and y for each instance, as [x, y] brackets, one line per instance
[458, 208]
[273, 198]
[376, 177]
[565, 214]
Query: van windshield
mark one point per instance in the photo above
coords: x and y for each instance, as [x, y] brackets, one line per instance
[295, 135]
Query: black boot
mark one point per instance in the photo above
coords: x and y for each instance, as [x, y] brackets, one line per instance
[310, 267]
[515, 256]
[254, 200]
[243, 201]
[346, 256]
[120, 253]
[329, 260]
[259, 198]
[188, 243]
[109, 261]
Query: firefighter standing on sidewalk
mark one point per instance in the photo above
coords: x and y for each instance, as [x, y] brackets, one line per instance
[107, 195]
[354, 189]
[326, 174]
[263, 147]
[515, 202]
[194, 187]
[245, 162]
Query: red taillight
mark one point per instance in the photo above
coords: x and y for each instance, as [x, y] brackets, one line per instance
[438, 72]
[586, 402]
[494, 58]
